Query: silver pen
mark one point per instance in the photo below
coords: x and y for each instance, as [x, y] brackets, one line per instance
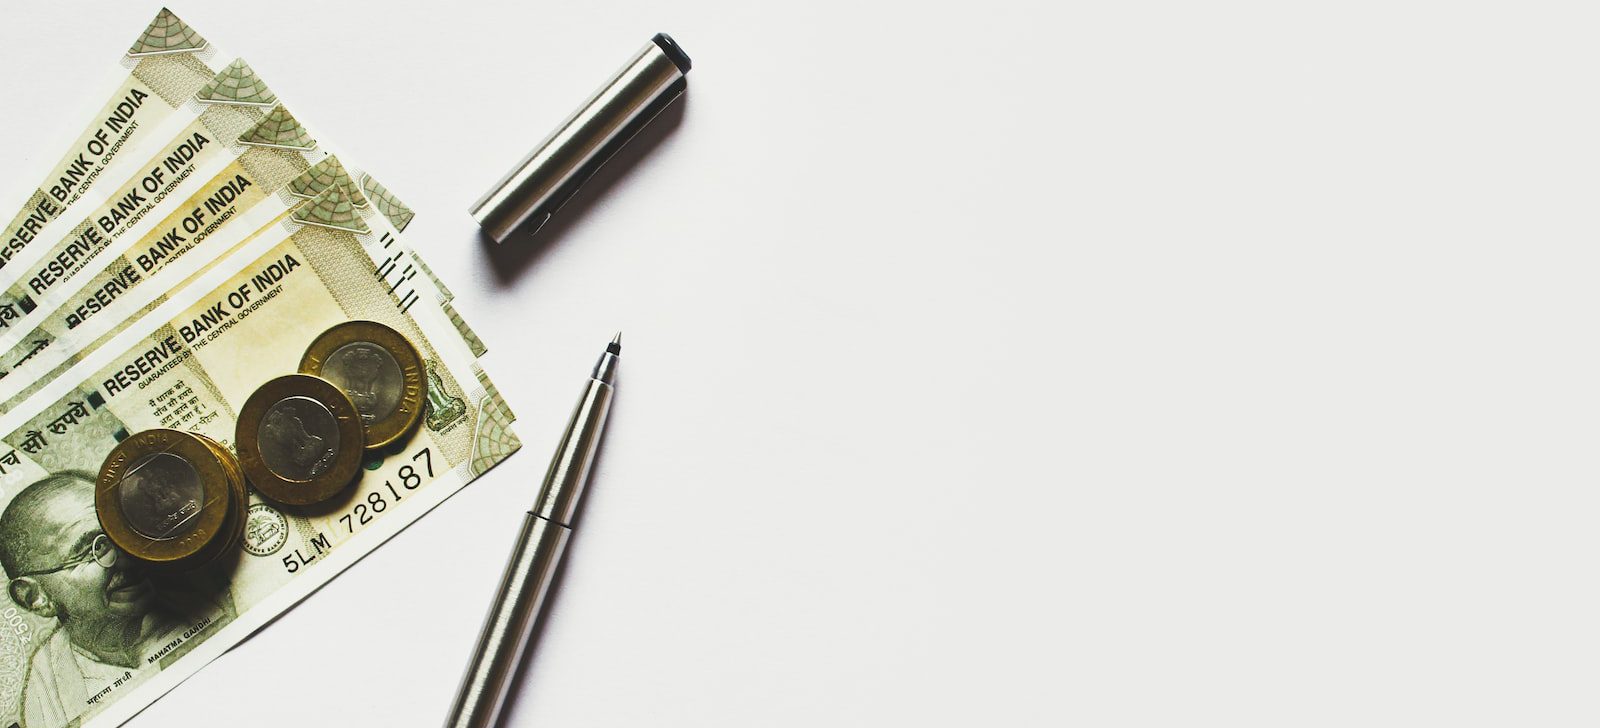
[535, 190]
[537, 554]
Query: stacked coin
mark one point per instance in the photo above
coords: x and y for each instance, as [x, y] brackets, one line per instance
[170, 498]
[379, 370]
[178, 499]
[234, 529]
[300, 439]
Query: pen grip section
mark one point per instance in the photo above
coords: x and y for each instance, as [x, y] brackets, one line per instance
[523, 589]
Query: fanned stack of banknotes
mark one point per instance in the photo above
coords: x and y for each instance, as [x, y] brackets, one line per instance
[190, 245]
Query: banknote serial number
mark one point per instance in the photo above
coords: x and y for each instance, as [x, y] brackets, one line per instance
[407, 478]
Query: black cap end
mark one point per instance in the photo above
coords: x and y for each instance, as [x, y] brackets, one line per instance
[673, 51]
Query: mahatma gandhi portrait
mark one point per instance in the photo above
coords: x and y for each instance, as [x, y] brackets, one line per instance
[63, 567]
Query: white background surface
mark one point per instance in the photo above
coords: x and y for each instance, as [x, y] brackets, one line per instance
[1092, 364]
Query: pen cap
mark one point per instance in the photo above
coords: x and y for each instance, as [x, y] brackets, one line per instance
[526, 198]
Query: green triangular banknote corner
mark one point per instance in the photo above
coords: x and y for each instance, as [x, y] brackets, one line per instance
[237, 84]
[332, 209]
[324, 174]
[279, 129]
[392, 208]
[167, 34]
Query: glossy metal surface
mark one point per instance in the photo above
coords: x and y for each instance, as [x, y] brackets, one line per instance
[548, 177]
[569, 470]
[533, 564]
[511, 619]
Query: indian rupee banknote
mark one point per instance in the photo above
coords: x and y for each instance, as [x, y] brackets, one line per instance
[203, 182]
[75, 331]
[195, 233]
[90, 642]
[152, 315]
[231, 134]
[163, 69]
[216, 154]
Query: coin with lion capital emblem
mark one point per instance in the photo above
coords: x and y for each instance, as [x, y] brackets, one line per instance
[165, 497]
[379, 370]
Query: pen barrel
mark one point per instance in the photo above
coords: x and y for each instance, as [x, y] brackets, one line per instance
[569, 470]
[555, 170]
[505, 634]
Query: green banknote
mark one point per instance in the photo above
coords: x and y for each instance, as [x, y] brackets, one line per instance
[192, 174]
[196, 171]
[232, 160]
[189, 364]
[228, 191]
[161, 72]
[207, 239]
[155, 258]
[123, 292]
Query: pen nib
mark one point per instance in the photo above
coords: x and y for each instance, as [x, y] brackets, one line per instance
[605, 370]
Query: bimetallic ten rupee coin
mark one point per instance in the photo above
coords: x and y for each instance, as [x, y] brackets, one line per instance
[233, 529]
[299, 439]
[379, 369]
[163, 496]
